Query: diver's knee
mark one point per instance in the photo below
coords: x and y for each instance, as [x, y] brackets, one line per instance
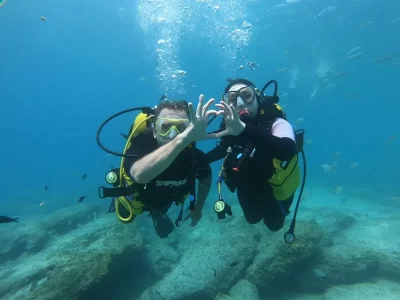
[252, 219]
[274, 226]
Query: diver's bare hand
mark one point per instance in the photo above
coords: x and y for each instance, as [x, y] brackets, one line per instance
[197, 130]
[233, 124]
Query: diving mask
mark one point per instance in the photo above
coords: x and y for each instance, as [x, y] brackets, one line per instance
[170, 128]
[247, 93]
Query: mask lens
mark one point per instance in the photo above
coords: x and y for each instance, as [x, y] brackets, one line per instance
[247, 94]
[164, 126]
[231, 98]
[181, 127]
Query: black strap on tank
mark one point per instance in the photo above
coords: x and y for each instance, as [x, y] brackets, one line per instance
[105, 192]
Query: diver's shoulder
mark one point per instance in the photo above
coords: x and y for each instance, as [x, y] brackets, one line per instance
[280, 121]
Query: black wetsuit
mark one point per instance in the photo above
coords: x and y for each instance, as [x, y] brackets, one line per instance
[254, 193]
[172, 184]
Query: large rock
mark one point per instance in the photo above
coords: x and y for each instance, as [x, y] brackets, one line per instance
[213, 258]
[244, 290]
[382, 290]
[32, 236]
[276, 261]
[365, 250]
[162, 257]
[86, 263]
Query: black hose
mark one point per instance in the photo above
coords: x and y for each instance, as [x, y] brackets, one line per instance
[143, 109]
[268, 84]
[293, 223]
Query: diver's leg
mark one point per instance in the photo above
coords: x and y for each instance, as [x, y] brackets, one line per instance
[248, 200]
[111, 208]
[276, 212]
[162, 223]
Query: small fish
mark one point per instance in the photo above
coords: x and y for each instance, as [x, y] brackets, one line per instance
[163, 98]
[356, 55]
[299, 120]
[252, 65]
[284, 69]
[395, 20]
[326, 10]
[334, 155]
[329, 168]
[365, 24]
[338, 189]
[354, 165]
[46, 188]
[309, 142]
[41, 203]
[351, 96]
[353, 50]
[181, 72]
[43, 19]
[84, 176]
[81, 198]
[215, 272]
[339, 75]
[383, 59]
[391, 139]
[313, 93]
[235, 263]
[5, 219]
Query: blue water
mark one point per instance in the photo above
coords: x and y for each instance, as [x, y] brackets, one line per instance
[60, 78]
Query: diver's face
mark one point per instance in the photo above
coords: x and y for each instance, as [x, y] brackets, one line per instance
[169, 124]
[244, 100]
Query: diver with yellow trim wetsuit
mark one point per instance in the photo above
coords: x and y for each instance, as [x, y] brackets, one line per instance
[161, 163]
[261, 155]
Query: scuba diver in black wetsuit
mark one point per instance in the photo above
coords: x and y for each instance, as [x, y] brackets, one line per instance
[160, 164]
[261, 156]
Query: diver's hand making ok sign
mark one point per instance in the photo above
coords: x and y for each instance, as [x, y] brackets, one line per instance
[234, 126]
[197, 130]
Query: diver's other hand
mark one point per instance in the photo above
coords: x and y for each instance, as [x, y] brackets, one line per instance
[197, 130]
[195, 215]
[233, 124]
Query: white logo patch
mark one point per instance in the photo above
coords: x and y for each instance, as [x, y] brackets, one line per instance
[171, 183]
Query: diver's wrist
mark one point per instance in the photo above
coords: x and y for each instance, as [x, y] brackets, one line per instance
[183, 139]
[241, 128]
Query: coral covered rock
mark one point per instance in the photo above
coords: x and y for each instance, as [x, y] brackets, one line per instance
[79, 264]
[277, 261]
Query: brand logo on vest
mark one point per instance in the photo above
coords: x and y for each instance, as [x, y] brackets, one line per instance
[171, 183]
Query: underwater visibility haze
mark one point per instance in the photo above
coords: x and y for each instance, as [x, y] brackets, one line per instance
[67, 66]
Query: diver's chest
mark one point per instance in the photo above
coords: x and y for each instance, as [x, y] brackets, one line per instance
[173, 177]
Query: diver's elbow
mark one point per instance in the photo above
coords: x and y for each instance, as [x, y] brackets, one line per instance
[288, 151]
[137, 176]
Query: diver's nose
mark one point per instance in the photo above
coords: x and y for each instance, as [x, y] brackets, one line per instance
[240, 103]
